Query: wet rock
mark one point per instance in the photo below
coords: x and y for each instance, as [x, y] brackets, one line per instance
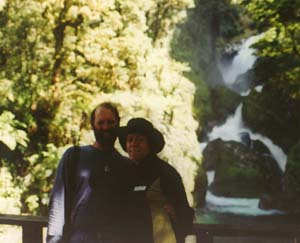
[241, 171]
[271, 202]
[245, 139]
[260, 147]
[210, 154]
[256, 145]
[292, 179]
[273, 115]
[222, 102]
[243, 82]
[200, 189]
[267, 202]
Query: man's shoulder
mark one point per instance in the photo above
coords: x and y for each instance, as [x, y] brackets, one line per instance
[78, 147]
[76, 152]
[84, 149]
[121, 158]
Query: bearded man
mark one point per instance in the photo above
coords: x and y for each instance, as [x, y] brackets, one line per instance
[85, 205]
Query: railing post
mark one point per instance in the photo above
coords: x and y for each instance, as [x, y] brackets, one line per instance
[32, 233]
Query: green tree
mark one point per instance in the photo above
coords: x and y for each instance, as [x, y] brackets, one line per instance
[59, 58]
[279, 49]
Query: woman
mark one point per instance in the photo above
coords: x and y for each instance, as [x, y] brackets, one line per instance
[158, 208]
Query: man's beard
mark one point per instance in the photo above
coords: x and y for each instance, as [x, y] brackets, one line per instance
[107, 137]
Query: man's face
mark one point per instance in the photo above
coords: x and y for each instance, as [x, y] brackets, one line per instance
[104, 126]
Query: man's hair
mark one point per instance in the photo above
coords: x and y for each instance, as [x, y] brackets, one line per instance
[108, 105]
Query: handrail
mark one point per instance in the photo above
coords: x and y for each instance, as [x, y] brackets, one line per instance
[32, 226]
[33, 229]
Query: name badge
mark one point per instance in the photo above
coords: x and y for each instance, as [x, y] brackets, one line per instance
[139, 188]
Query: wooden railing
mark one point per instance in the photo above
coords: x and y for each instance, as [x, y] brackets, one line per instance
[32, 227]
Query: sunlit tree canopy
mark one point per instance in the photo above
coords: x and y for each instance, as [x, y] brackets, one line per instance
[59, 58]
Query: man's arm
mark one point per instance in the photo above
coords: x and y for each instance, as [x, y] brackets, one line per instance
[56, 219]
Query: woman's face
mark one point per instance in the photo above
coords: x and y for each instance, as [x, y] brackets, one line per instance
[137, 146]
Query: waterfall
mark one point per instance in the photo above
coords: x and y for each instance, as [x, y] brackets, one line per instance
[231, 130]
[234, 126]
[241, 63]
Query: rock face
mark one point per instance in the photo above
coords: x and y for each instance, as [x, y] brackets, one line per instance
[243, 82]
[241, 171]
[289, 199]
[274, 116]
[200, 189]
[292, 179]
[222, 102]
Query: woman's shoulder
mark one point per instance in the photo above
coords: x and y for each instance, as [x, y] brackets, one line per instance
[167, 169]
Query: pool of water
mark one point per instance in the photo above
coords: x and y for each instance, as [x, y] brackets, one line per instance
[207, 216]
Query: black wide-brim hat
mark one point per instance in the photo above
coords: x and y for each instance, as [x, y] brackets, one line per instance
[145, 127]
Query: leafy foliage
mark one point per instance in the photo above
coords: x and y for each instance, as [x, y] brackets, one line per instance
[280, 48]
[10, 134]
[9, 194]
[59, 58]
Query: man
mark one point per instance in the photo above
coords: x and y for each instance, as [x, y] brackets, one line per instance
[76, 213]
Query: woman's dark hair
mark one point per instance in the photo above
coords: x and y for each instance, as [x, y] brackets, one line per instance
[110, 106]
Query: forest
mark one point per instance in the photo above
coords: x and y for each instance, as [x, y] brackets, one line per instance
[155, 59]
[59, 59]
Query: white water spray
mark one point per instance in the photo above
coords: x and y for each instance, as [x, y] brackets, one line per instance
[241, 63]
[240, 206]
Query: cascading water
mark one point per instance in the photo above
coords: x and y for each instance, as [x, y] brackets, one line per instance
[234, 126]
[241, 63]
[231, 130]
